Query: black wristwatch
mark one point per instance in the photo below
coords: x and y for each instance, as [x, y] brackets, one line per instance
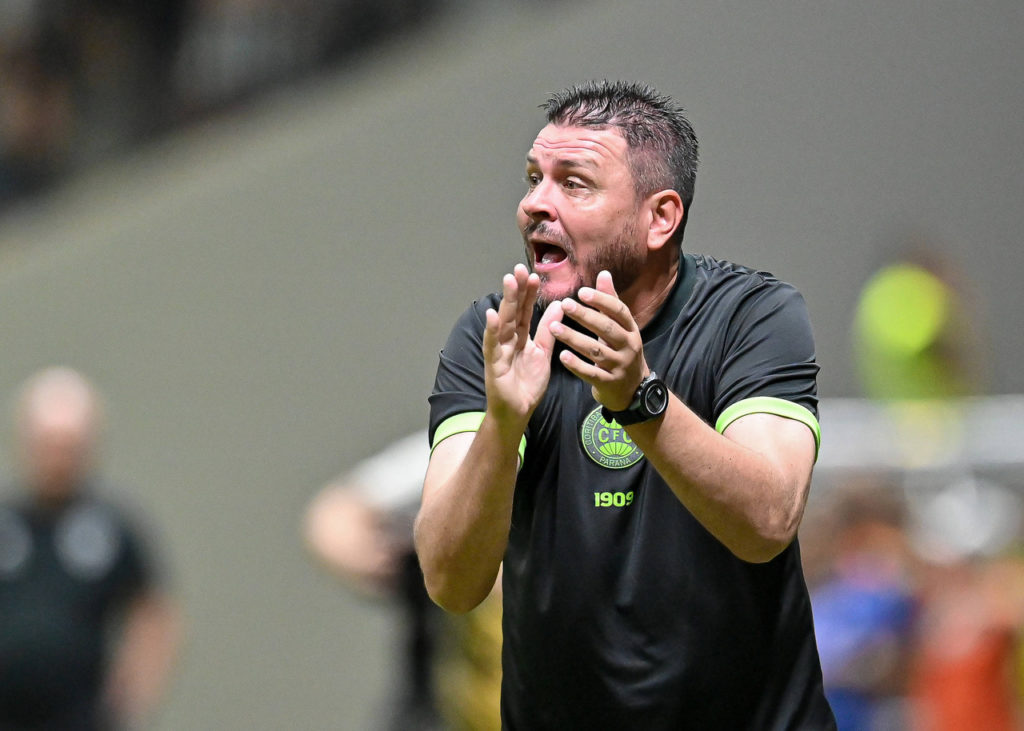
[649, 402]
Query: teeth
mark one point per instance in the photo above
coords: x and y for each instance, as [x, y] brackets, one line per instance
[547, 258]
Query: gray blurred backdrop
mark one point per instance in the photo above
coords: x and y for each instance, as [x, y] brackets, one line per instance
[262, 298]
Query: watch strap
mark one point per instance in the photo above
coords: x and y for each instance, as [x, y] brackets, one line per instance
[636, 412]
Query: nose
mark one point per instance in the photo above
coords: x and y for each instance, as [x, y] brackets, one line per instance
[537, 204]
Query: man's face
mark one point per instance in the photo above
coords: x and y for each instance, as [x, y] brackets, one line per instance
[56, 436]
[580, 214]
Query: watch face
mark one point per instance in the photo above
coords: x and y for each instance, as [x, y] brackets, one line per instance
[656, 398]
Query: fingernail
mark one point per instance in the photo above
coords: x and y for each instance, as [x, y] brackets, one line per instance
[568, 305]
[586, 293]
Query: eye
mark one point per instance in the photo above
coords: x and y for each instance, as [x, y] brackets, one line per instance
[532, 179]
[573, 184]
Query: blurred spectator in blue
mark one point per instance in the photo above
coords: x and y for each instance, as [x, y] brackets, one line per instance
[88, 632]
[864, 609]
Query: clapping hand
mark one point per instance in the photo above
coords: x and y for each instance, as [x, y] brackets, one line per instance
[518, 366]
[612, 359]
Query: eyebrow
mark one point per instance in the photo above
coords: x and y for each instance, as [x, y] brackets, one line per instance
[562, 163]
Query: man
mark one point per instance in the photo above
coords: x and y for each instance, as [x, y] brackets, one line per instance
[87, 635]
[651, 575]
[359, 527]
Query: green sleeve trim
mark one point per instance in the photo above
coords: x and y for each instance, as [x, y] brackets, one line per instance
[466, 422]
[771, 405]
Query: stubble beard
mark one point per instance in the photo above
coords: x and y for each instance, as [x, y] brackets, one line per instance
[623, 258]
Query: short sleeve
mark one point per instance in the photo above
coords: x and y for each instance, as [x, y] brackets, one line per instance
[137, 569]
[769, 350]
[459, 382]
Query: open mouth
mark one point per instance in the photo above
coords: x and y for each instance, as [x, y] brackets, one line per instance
[545, 254]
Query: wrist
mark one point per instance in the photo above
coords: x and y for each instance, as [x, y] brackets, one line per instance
[506, 427]
[649, 402]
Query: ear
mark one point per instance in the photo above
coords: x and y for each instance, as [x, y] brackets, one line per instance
[666, 216]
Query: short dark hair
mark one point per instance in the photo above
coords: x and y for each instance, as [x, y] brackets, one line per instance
[660, 140]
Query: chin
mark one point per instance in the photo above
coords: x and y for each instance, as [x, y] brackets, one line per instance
[551, 292]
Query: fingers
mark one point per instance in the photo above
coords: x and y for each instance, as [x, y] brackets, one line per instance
[511, 323]
[529, 286]
[492, 346]
[610, 355]
[595, 362]
[592, 373]
[500, 324]
[605, 314]
[594, 349]
[552, 317]
[508, 308]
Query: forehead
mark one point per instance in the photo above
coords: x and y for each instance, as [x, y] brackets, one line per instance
[594, 146]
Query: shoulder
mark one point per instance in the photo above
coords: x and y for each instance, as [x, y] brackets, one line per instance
[728, 283]
[466, 336]
[477, 311]
[112, 513]
[125, 518]
[723, 271]
[95, 537]
[472, 320]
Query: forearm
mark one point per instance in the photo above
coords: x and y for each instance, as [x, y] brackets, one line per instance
[462, 528]
[144, 658]
[748, 500]
[466, 510]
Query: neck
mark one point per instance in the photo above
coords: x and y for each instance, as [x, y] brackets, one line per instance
[651, 294]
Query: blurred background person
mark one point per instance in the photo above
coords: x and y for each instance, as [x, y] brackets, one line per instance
[918, 348]
[965, 670]
[359, 527]
[864, 598]
[88, 632]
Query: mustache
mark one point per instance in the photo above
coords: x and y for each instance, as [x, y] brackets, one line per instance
[544, 230]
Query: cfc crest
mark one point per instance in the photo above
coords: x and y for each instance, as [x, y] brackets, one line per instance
[608, 444]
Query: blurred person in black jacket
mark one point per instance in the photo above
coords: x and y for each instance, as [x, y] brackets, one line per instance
[88, 630]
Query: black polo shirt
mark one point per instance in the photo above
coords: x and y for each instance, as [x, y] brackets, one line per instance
[66, 575]
[621, 611]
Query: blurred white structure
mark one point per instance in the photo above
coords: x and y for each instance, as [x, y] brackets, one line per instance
[959, 463]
